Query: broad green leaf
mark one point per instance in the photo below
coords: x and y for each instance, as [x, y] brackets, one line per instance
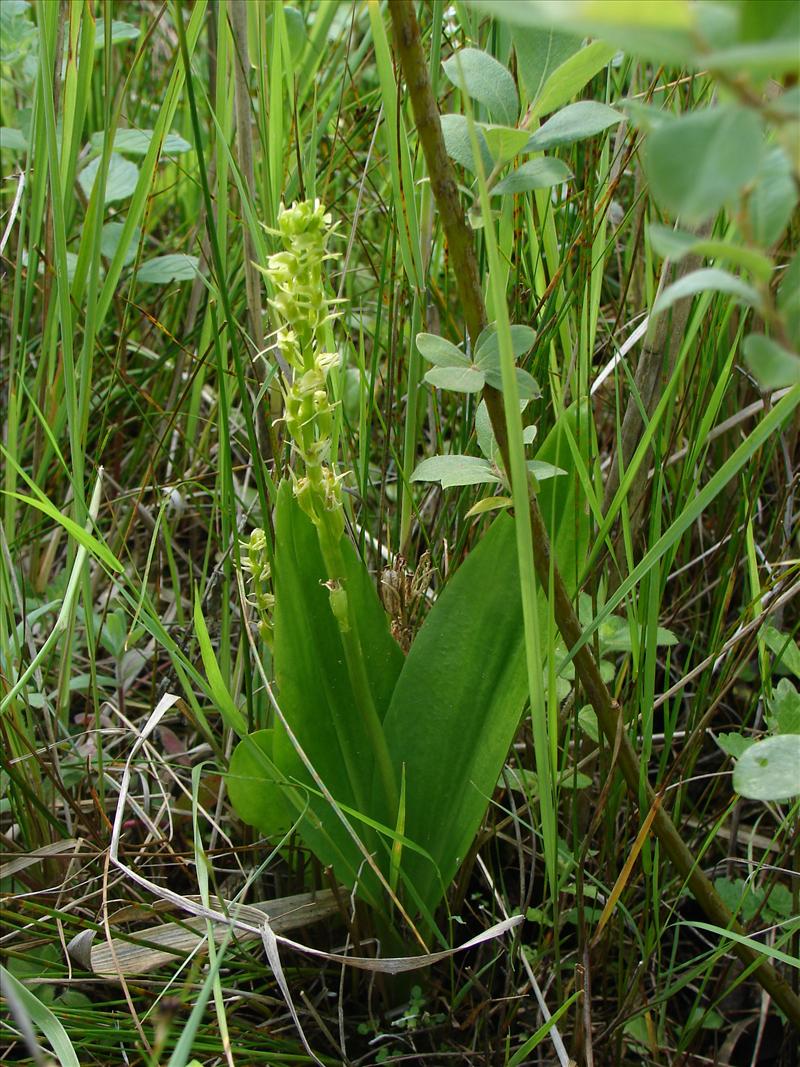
[487, 357]
[743, 899]
[112, 232]
[772, 364]
[771, 202]
[784, 717]
[258, 801]
[13, 140]
[481, 77]
[456, 707]
[504, 142]
[120, 181]
[572, 123]
[542, 471]
[734, 744]
[573, 74]
[176, 267]
[440, 352]
[759, 21]
[487, 348]
[535, 174]
[785, 649]
[587, 718]
[137, 142]
[42, 1018]
[539, 53]
[17, 31]
[527, 386]
[485, 434]
[489, 503]
[703, 160]
[708, 279]
[647, 117]
[746, 899]
[615, 635]
[457, 379]
[314, 686]
[120, 32]
[761, 59]
[665, 31]
[295, 31]
[675, 244]
[455, 470]
[657, 14]
[459, 146]
[769, 769]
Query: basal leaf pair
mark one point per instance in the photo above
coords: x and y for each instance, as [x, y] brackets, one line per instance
[448, 711]
[460, 691]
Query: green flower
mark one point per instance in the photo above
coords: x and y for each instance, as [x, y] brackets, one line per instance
[302, 309]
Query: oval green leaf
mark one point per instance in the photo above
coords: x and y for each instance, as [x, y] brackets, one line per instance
[701, 161]
[709, 279]
[675, 244]
[257, 797]
[772, 364]
[120, 181]
[455, 470]
[440, 352]
[482, 78]
[455, 131]
[175, 267]
[572, 123]
[137, 142]
[772, 201]
[769, 769]
[487, 350]
[573, 74]
[535, 174]
[504, 142]
[457, 379]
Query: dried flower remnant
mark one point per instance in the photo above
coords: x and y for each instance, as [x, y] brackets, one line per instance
[402, 591]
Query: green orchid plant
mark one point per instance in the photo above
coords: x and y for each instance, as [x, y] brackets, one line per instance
[357, 714]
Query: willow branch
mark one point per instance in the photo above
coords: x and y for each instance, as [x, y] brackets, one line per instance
[465, 268]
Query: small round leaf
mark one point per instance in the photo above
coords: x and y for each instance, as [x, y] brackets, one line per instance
[769, 769]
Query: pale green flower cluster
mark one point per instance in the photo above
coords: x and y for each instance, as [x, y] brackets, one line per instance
[256, 562]
[303, 310]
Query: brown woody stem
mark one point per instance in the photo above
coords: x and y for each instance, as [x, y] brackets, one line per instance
[465, 267]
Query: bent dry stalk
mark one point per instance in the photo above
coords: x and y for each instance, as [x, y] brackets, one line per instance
[302, 308]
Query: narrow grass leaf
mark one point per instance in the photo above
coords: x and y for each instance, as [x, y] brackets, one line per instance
[42, 1017]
